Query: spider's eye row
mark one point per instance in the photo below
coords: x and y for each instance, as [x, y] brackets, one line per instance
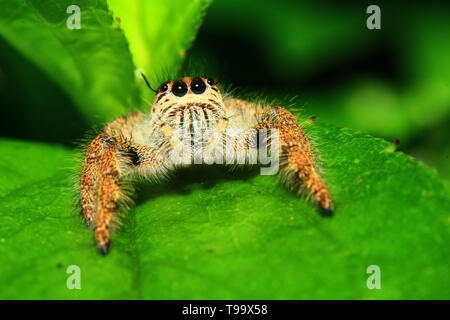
[163, 88]
[198, 86]
[179, 88]
[210, 81]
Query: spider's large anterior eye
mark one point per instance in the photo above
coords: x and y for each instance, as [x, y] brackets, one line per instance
[210, 81]
[179, 88]
[198, 86]
[163, 88]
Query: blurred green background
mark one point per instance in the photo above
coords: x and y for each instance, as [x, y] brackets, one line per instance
[392, 83]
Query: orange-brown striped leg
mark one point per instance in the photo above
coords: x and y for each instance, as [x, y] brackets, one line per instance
[282, 116]
[89, 180]
[299, 166]
[91, 169]
[299, 169]
[109, 194]
[120, 160]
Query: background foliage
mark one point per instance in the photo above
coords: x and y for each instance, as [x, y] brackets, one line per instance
[210, 233]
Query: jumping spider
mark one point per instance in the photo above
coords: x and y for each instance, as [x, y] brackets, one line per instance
[140, 145]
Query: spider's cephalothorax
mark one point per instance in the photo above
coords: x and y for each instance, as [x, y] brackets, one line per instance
[181, 104]
[192, 108]
[143, 145]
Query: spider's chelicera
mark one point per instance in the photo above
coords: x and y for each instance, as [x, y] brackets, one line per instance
[191, 123]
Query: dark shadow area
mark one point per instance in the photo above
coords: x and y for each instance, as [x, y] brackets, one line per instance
[241, 55]
[247, 67]
[432, 147]
[184, 180]
[33, 106]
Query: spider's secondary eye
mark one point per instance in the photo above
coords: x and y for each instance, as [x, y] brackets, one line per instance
[198, 86]
[210, 81]
[179, 88]
[163, 88]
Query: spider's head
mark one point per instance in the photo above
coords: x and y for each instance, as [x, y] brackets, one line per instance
[187, 91]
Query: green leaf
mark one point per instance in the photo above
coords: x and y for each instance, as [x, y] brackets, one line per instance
[160, 33]
[51, 73]
[92, 65]
[211, 234]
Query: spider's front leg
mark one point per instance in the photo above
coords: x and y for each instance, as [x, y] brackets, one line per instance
[299, 168]
[110, 159]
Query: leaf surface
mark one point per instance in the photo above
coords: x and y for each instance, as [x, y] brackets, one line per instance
[80, 61]
[211, 234]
